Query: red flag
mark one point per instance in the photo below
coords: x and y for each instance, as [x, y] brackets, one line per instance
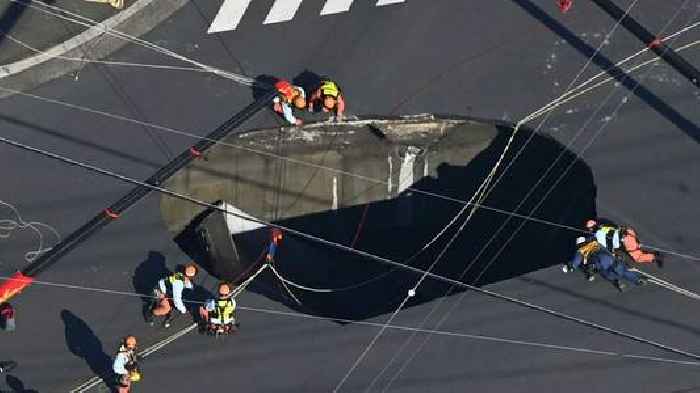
[14, 285]
[565, 5]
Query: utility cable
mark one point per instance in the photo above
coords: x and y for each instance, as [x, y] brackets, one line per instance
[482, 196]
[365, 254]
[331, 169]
[90, 23]
[527, 196]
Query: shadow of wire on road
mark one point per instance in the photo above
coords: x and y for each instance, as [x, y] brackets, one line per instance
[644, 94]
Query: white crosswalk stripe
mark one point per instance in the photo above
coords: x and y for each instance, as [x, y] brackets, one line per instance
[336, 6]
[232, 11]
[282, 11]
[229, 16]
[387, 2]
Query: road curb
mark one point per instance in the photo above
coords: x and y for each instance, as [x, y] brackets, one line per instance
[137, 19]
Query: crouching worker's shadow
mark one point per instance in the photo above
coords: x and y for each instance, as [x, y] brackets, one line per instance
[83, 342]
[146, 278]
[17, 385]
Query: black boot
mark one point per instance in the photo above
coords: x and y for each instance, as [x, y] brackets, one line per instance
[619, 285]
[168, 319]
[148, 316]
[659, 260]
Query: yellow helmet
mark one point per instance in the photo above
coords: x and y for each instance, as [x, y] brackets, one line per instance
[135, 376]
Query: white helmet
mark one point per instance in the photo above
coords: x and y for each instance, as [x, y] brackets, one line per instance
[580, 240]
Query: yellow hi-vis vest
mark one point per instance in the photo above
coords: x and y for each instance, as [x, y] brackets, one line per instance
[171, 279]
[589, 248]
[329, 88]
[223, 309]
[608, 232]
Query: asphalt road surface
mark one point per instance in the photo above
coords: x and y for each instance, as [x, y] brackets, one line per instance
[499, 60]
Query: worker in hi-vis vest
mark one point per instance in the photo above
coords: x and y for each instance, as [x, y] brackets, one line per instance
[168, 295]
[330, 97]
[219, 314]
[289, 96]
[622, 242]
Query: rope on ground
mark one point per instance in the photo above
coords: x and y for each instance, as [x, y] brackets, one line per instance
[291, 294]
[7, 226]
[94, 381]
[91, 23]
[239, 289]
[91, 383]
[671, 252]
[548, 112]
[665, 284]
[105, 62]
[298, 286]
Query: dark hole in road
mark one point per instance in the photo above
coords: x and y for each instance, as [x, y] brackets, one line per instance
[456, 158]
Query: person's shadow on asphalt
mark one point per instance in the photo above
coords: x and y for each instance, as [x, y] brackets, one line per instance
[146, 278]
[17, 385]
[83, 342]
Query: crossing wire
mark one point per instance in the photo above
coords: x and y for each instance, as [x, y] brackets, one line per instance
[92, 382]
[494, 258]
[103, 218]
[481, 195]
[489, 293]
[159, 49]
[91, 23]
[301, 162]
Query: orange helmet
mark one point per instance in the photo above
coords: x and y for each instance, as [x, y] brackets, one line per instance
[286, 89]
[276, 234]
[130, 342]
[190, 270]
[224, 289]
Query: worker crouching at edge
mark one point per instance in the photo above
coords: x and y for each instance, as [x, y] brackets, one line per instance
[125, 365]
[218, 314]
[330, 98]
[289, 95]
[623, 243]
[592, 258]
[168, 295]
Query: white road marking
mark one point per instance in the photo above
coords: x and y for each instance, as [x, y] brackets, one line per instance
[336, 6]
[229, 16]
[282, 11]
[232, 11]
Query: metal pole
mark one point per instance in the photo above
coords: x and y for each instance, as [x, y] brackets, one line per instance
[652, 42]
[105, 217]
